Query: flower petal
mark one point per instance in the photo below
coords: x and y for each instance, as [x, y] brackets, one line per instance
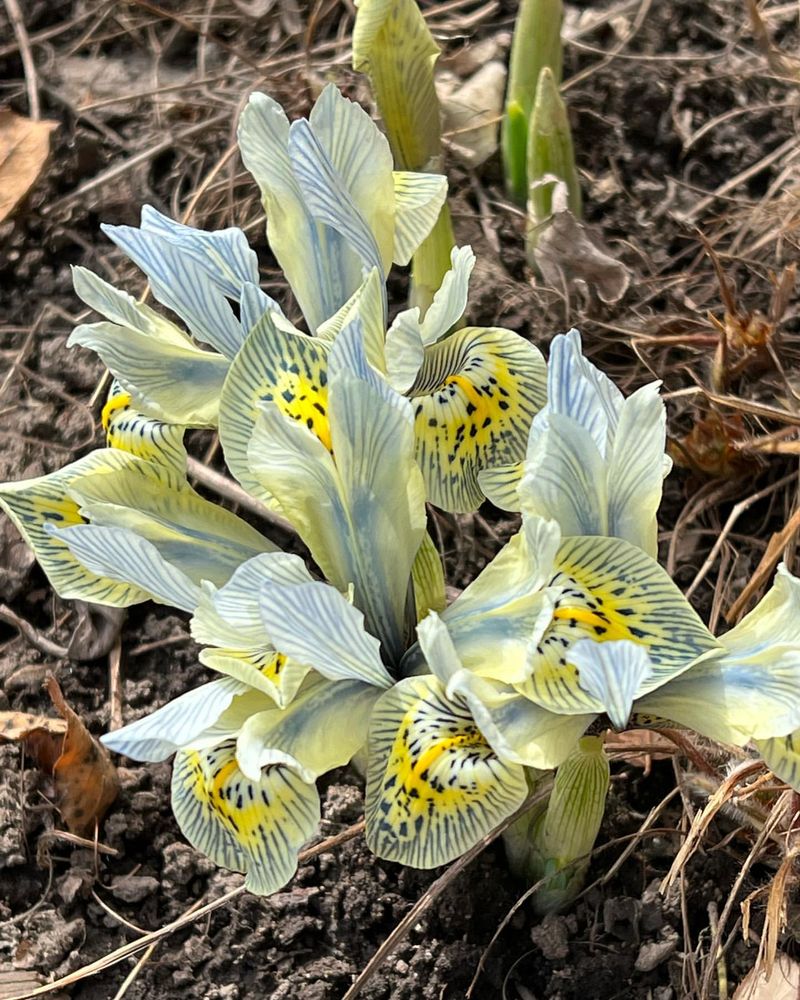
[274, 366]
[256, 827]
[475, 397]
[159, 734]
[33, 504]
[323, 728]
[224, 255]
[418, 199]
[182, 284]
[611, 590]
[612, 673]
[316, 626]
[145, 437]
[434, 785]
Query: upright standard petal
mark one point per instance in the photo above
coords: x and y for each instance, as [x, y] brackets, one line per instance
[166, 374]
[183, 284]
[418, 199]
[474, 400]
[251, 826]
[228, 620]
[434, 785]
[315, 625]
[224, 254]
[361, 509]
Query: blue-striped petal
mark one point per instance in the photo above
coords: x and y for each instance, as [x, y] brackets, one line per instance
[224, 255]
[612, 673]
[256, 827]
[434, 785]
[182, 284]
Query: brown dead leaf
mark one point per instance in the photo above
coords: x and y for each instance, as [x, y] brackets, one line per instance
[568, 255]
[783, 982]
[639, 747]
[24, 147]
[85, 778]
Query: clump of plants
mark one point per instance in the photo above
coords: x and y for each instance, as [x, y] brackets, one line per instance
[349, 428]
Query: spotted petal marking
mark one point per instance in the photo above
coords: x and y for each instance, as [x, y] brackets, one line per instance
[255, 827]
[289, 370]
[434, 785]
[133, 431]
[33, 504]
[475, 397]
[611, 590]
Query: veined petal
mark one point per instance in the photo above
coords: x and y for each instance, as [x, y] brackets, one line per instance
[182, 284]
[637, 469]
[34, 504]
[507, 607]
[145, 437]
[360, 527]
[305, 249]
[418, 199]
[159, 734]
[361, 160]
[434, 785]
[176, 384]
[518, 730]
[612, 673]
[368, 304]
[578, 390]
[408, 335]
[229, 620]
[749, 687]
[315, 625]
[565, 478]
[611, 590]
[500, 484]
[782, 757]
[276, 367]
[200, 538]
[224, 255]
[256, 827]
[123, 309]
[323, 728]
[393, 46]
[120, 554]
[475, 397]
[428, 576]
[450, 301]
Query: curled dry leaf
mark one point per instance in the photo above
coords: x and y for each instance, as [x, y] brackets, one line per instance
[567, 254]
[24, 147]
[782, 983]
[471, 111]
[85, 779]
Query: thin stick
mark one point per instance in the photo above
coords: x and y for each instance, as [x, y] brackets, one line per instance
[230, 490]
[35, 638]
[115, 684]
[28, 65]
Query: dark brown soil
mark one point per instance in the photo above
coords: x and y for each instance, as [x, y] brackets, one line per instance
[648, 77]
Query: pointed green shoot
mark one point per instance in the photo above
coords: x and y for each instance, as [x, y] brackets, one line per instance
[536, 44]
[551, 156]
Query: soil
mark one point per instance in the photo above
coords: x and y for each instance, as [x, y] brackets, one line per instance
[645, 80]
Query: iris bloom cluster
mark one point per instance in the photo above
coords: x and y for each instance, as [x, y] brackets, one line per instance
[348, 429]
